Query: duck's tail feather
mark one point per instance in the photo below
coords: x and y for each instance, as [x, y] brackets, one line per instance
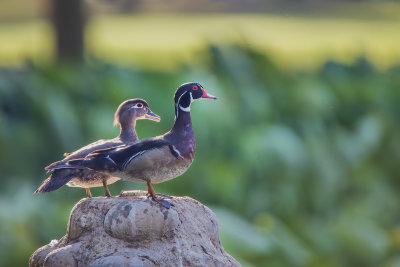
[57, 179]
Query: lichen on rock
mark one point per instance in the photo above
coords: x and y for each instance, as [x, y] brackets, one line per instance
[136, 231]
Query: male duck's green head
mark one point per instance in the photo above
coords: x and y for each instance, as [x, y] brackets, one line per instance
[187, 93]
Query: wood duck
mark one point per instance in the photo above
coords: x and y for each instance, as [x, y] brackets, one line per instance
[125, 116]
[157, 159]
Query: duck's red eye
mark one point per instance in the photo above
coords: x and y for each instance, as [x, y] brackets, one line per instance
[195, 87]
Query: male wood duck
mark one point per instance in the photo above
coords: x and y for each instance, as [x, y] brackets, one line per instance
[157, 159]
[125, 116]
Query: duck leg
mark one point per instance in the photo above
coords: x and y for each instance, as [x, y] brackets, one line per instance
[152, 194]
[88, 193]
[108, 194]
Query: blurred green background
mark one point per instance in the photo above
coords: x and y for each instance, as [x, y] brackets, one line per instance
[299, 156]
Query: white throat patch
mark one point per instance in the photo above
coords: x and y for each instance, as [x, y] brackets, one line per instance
[187, 109]
[179, 107]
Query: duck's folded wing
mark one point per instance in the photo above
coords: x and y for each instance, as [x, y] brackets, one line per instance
[65, 163]
[106, 149]
[58, 165]
[95, 146]
[118, 159]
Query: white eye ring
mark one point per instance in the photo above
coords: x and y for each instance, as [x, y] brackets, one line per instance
[139, 105]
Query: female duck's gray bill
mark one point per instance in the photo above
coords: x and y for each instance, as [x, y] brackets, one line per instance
[152, 116]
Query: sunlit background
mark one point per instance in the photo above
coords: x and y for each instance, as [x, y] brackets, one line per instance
[299, 156]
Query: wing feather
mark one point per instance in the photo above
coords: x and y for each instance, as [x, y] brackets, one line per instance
[118, 158]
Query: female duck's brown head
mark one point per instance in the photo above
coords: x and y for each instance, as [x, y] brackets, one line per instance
[133, 109]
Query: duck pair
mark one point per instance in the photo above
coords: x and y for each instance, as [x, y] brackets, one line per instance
[150, 160]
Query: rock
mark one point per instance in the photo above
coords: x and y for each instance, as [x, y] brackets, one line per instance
[136, 231]
[41, 253]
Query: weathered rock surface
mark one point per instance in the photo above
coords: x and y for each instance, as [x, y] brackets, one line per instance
[137, 231]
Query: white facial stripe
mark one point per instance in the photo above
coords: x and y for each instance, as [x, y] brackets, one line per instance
[135, 106]
[131, 108]
[179, 99]
[177, 104]
[184, 109]
[187, 109]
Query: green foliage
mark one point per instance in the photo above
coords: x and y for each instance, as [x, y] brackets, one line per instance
[300, 167]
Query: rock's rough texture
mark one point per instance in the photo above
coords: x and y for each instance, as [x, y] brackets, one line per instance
[137, 231]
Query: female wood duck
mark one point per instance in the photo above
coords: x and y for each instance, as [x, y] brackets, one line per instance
[125, 116]
[157, 159]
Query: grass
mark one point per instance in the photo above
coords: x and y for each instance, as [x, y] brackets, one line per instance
[165, 41]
